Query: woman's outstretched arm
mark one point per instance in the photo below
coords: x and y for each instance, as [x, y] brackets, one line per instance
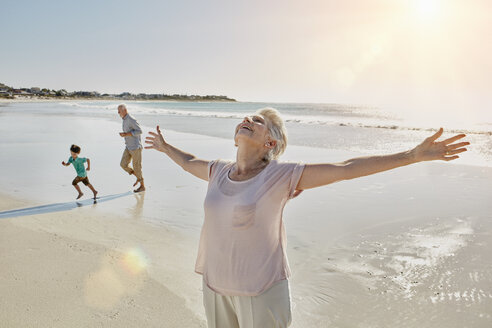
[191, 164]
[316, 175]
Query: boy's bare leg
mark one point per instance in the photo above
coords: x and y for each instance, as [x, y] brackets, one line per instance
[94, 191]
[80, 191]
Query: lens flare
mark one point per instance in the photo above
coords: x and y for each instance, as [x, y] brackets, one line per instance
[135, 261]
[103, 289]
[114, 280]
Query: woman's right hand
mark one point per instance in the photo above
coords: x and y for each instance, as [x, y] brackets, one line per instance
[197, 167]
[156, 140]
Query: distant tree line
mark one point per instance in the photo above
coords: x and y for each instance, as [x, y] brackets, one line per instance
[35, 92]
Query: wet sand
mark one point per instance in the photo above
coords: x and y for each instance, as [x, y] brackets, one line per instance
[435, 274]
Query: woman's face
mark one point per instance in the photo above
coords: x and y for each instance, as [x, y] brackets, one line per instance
[252, 129]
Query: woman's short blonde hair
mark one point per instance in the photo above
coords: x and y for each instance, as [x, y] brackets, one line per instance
[278, 132]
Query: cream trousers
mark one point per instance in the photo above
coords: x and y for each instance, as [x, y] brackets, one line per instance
[270, 309]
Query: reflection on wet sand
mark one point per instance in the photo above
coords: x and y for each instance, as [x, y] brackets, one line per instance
[432, 275]
[137, 209]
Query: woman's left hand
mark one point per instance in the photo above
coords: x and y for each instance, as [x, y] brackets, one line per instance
[445, 150]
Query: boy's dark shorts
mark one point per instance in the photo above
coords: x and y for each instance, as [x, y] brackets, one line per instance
[80, 179]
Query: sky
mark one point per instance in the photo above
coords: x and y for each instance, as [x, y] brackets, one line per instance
[412, 55]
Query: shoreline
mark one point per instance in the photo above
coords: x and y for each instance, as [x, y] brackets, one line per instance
[183, 116]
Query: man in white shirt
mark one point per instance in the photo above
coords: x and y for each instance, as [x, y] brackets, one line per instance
[133, 147]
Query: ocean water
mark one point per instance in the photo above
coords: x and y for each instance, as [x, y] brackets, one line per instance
[360, 129]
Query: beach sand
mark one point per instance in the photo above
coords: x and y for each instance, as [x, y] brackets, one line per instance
[57, 273]
[408, 248]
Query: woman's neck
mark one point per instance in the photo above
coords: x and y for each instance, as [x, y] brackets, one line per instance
[249, 161]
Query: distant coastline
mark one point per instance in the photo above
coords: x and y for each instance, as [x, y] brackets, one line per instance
[41, 94]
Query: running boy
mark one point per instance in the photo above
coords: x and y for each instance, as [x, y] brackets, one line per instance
[78, 164]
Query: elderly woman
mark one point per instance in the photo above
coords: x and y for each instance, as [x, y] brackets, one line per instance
[242, 251]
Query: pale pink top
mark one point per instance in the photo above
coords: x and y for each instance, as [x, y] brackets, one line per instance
[242, 247]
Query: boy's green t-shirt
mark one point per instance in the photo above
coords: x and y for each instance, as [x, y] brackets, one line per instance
[79, 166]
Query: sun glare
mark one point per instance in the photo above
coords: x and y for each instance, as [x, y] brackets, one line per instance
[427, 10]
